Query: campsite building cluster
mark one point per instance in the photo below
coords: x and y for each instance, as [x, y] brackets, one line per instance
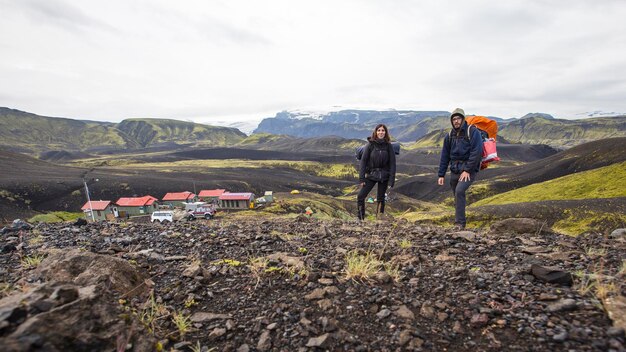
[126, 207]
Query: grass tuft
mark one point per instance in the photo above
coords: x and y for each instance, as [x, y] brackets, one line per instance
[182, 323]
[150, 313]
[361, 267]
[405, 243]
[33, 261]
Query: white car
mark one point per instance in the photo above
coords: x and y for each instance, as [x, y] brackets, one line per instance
[162, 216]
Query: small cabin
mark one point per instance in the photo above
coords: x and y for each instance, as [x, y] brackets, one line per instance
[131, 206]
[179, 199]
[211, 195]
[236, 201]
[97, 210]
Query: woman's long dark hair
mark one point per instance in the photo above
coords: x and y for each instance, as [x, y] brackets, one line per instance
[374, 136]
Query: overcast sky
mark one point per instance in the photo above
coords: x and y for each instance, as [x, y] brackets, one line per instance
[237, 60]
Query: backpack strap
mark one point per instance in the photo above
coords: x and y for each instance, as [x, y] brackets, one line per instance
[469, 133]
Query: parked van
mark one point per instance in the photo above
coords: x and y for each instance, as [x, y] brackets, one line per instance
[162, 216]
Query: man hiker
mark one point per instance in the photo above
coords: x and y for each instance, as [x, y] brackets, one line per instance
[462, 151]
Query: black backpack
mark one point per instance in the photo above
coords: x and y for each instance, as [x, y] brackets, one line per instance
[359, 150]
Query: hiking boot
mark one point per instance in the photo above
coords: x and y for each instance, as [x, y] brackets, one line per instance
[361, 212]
[381, 207]
[458, 227]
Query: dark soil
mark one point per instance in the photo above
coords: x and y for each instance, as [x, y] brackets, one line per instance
[30, 185]
[453, 291]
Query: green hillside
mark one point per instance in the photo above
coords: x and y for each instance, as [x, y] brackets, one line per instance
[604, 182]
[564, 133]
[29, 133]
[260, 138]
[32, 133]
[432, 139]
[424, 127]
[279, 142]
[153, 131]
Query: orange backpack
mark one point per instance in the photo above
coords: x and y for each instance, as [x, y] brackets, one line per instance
[489, 128]
[484, 124]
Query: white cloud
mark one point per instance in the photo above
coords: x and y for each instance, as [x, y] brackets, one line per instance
[234, 60]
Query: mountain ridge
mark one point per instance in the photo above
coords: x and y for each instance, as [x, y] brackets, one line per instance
[31, 133]
[410, 126]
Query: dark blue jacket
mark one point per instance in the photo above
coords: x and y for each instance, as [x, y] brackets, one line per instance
[461, 152]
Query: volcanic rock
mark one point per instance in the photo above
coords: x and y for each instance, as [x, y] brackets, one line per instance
[519, 226]
[551, 275]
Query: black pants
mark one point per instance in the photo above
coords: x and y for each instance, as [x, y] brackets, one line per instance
[380, 196]
[459, 189]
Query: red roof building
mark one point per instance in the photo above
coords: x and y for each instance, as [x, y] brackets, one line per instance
[136, 201]
[210, 193]
[179, 196]
[96, 205]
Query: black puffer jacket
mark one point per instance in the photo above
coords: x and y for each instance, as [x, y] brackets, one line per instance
[378, 155]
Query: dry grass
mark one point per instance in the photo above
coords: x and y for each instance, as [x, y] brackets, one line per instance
[585, 283]
[361, 267]
[190, 302]
[604, 290]
[393, 270]
[182, 323]
[229, 262]
[405, 244]
[595, 252]
[257, 267]
[30, 262]
[7, 289]
[150, 313]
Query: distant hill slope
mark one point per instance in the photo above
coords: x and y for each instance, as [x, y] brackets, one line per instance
[583, 157]
[603, 182]
[29, 133]
[431, 139]
[22, 131]
[563, 133]
[494, 181]
[153, 131]
[435, 138]
[286, 143]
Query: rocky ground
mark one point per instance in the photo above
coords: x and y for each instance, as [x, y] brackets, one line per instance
[304, 284]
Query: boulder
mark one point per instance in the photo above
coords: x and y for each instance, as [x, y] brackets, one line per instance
[293, 262]
[80, 222]
[551, 275]
[520, 226]
[77, 309]
[618, 234]
[86, 268]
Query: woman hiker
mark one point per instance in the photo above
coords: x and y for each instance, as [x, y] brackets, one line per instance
[378, 166]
